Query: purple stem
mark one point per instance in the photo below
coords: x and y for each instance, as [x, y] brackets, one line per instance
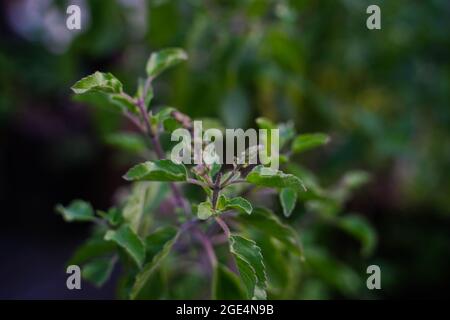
[224, 226]
[154, 138]
[206, 243]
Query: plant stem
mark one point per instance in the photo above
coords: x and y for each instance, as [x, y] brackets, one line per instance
[206, 243]
[196, 182]
[237, 181]
[154, 138]
[216, 190]
[224, 226]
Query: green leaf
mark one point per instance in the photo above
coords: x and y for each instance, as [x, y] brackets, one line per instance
[123, 103]
[204, 210]
[349, 182]
[162, 115]
[333, 272]
[155, 242]
[148, 94]
[170, 125]
[159, 246]
[287, 132]
[164, 59]
[264, 123]
[160, 170]
[249, 261]
[288, 198]
[361, 229]
[265, 221]
[215, 168]
[134, 208]
[128, 240]
[99, 270]
[129, 142]
[267, 177]
[78, 210]
[277, 262]
[308, 141]
[355, 179]
[222, 202]
[239, 204]
[326, 208]
[314, 191]
[113, 216]
[144, 198]
[100, 82]
[156, 287]
[93, 248]
[226, 285]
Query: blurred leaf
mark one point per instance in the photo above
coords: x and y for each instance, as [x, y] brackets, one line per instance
[333, 272]
[99, 270]
[215, 168]
[288, 198]
[361, 229]
[355, 179]
[128, 240]
[265, 221]
[162, 115]
[142, 86]
[134, 207]
[351, 181]
[155, 288]
[113, 216]
[159, 170]
[325, 207]
[160, 246]
[314, 190]
[267, 177]
[226, 285]
[155, 242]
[204, 210]
[305, 142]
[124, 103]
[91, 249]
[278, 265]
[249, 261]
[287, 132]
[264, 123]
[170, 125]
[164, 59]
[129, 142]
[99, 81]
[78, 210]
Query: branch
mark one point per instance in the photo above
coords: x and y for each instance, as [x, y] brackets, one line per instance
[154, 138]
[224, 226]
[197, 182]
[216, 190]
[236, 181]
[206, 243]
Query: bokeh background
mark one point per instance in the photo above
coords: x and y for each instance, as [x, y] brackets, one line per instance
[383, 96]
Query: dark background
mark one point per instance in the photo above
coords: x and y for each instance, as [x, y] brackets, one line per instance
[383, 96]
